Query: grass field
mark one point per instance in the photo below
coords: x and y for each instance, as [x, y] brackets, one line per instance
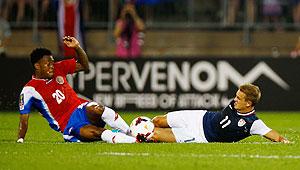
[45, 149]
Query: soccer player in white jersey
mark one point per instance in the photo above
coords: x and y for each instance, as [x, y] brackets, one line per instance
[234, 123]
[49, 92]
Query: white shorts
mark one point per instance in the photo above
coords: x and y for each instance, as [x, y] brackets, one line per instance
[187, 125]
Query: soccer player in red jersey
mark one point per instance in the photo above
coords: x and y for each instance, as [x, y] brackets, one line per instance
[49, 92]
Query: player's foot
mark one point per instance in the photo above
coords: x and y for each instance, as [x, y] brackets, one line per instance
[141, 138]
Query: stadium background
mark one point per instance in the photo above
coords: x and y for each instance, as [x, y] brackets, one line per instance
[176, 30]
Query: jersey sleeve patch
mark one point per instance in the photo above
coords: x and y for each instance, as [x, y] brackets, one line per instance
[25, 100]
[21, 102]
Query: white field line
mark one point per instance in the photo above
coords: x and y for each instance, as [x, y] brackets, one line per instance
[193, 155]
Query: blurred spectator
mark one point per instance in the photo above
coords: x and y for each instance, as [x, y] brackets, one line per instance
[296, 51]
[251, 8]
[21, 4]
[6, 6]
[9, 5]
[234, 7]
[272, 11]
[128, 33]
[21, 9]
[5, 34]
[70, 23]
[296, 10]
[44, 8]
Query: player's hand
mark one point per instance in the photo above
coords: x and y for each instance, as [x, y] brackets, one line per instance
[20, 140]
[71, 42]
[285, 141]
[130, 9]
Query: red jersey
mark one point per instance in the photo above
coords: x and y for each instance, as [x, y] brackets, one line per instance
[54, 99]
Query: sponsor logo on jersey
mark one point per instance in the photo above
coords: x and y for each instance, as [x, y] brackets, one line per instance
[241, 122]
[70, 130]
[60, 80]
[189, 140]
[21, 102]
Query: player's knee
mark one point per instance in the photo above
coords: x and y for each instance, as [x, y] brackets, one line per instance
[94, 108]
[159, 121]
[155, 121]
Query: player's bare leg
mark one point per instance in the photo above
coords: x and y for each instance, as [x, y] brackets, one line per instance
[160, 121]
[91, 133]
[96, 113]
[163, 135]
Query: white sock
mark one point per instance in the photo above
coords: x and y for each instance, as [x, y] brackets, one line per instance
[111, 137]
[114, 120]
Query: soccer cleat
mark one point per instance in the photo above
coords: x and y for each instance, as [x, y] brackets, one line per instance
[116, 130]
[141, 138]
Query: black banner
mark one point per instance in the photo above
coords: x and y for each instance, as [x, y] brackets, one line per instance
[173, 83]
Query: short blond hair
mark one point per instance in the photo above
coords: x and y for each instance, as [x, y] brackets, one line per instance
[252, 92]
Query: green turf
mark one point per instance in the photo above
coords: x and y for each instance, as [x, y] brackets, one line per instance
[45, 149]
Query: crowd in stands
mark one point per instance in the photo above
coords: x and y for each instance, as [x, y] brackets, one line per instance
[277, 15]
[235, 11]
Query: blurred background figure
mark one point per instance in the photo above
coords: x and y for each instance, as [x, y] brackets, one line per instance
[272, 12]
[70, 23]
[44, 5]
[16, 10]
[5, 9]
[296, 51]
[296, 10]
[21, 8]
[5, 33]
[233, 9]
[128, 32]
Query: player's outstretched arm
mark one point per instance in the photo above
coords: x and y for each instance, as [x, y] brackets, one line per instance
[83, 64]
[276, 137]
[23, 126]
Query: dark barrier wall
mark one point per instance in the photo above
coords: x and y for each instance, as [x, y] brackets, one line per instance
[14, 75]
[172, 83]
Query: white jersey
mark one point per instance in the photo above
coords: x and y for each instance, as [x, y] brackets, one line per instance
[225, 126]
